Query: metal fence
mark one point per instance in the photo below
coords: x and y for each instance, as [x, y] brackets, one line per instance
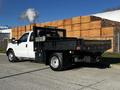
[4, 39]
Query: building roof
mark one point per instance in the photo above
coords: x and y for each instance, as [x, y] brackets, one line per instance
[110, 15]
[5, 31]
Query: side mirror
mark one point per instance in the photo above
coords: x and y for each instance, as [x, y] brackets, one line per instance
[18, 41]
[13, 40]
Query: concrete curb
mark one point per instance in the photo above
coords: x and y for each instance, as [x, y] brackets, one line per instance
[115, 66]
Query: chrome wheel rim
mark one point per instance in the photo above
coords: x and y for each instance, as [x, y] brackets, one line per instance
[10, 56]
[54, 62]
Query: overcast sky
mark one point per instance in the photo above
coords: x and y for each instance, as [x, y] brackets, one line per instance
[50, 10]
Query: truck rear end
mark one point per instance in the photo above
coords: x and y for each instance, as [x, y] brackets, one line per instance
[90, 51]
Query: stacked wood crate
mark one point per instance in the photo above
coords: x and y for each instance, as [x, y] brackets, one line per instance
[88, 27]
[15, 32]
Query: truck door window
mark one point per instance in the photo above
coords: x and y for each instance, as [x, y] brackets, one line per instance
[24, 37]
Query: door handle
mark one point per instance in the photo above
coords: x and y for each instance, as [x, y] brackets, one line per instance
[26, 45]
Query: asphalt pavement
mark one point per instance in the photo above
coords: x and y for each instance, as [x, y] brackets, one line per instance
[27, 75]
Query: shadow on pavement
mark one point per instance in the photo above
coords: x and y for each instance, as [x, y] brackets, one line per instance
[89, 65]
[26, 61]
[105, 63]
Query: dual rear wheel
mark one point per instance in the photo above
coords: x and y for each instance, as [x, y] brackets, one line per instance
[56, 62]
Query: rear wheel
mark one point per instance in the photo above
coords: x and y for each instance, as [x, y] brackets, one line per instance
[11, 56]
[56, 62]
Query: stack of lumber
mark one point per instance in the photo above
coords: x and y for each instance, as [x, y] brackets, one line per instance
[89, 27]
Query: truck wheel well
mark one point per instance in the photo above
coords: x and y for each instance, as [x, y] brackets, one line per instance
[10, 49]
[48, 55]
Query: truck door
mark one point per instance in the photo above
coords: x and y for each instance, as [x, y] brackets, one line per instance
[21, 48]
[31, 52]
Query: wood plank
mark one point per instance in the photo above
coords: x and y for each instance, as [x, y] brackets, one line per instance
[76, 20]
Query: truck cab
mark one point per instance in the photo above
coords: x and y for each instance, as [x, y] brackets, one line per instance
[24, 47]
[21, 48]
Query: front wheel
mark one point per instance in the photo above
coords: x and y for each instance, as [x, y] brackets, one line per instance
[56, 62]
[11, 56]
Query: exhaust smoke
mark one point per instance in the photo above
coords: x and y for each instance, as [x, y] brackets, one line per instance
[30, 14]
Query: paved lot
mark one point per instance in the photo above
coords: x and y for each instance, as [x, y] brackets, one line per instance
[34, 76]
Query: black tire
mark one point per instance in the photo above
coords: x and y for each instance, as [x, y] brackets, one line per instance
[56, 62]
[11, 56]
